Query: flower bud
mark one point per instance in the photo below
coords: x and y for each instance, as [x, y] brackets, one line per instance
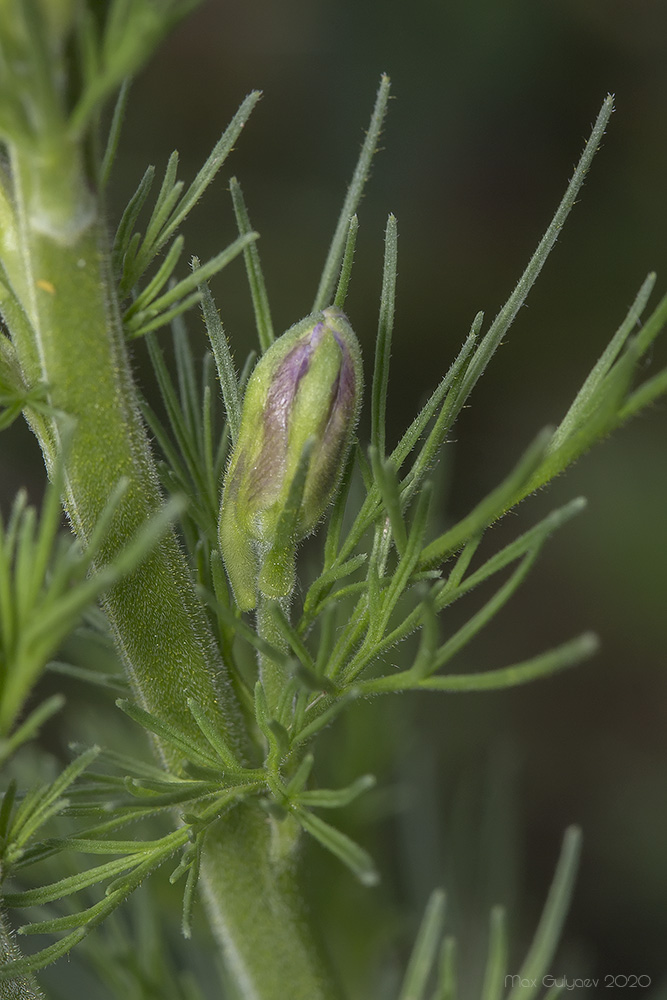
[299, 412]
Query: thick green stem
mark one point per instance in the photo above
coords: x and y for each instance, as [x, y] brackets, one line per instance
[23, 987]
[264, 932]
[74, 343]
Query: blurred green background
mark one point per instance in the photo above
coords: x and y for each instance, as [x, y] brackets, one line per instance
[492, 104]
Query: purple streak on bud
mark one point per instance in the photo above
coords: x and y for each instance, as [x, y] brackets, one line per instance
[276, 414]
[305, 390]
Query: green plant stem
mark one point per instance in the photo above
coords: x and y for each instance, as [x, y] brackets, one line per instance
[75, 346]
[73, 342]
[24, 987]
[269, 948]
[272, 674]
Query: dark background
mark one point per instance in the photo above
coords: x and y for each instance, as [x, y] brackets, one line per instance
[493, 104]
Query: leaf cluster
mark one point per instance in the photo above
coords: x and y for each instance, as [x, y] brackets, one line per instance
[383, 578]
[209, 780]
[133, 955]
[134, 252]
[432, 970]
[40, 39]
[47, 582]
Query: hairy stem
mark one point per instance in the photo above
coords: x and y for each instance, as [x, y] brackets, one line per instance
[69, 336]
[23, 987]
[74, 344]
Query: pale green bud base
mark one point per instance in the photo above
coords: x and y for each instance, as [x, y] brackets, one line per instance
[299, 413]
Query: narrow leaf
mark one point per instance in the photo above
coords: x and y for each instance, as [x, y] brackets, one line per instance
[567, 655]
[168, 195]
[496, 963]
[327, 285]
[125, 230]
[348, 261]
[179, 293]
[31, 725]
[503, 320]
[195, 752]
[157, 283]
[114, 133]
[217, 157]
[189, 893]
[73, 883]
[260, 299]
[32, 813]
[354, 857]
[326, 715]
[646, 394]
[328, 798]
[222, 354]
[32, 963]
[534, 536]
[387, 481]
[425, 949]
[485, 615]
[447, 987]
[547, 935]
[603, 364]
[214, 736]
[383, 342]
[492, 507]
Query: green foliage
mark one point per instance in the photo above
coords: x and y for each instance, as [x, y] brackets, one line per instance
[35, 41]
[46, 584]
[15, 396]
[368, 619]
[433, 957]
[209, 781]
[134, 252]
[134, 957]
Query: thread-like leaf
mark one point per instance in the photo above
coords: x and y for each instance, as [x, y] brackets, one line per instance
[425, 949]
[195, 752]
[325, 292]
[113, 137]
[336, 798]
[554, 660]
[213, 735]
[387, 481]
[224, 362]
[547, 935]
[492, 507]
[535, 536]
[383, 342]
[354, 857]
[447, 986]
[348, 261]
[605, 361]
[486, 613]
[125, 231]
[31, 725]
[496, 963]
[260, 299]
[503, 320]
[181, 295]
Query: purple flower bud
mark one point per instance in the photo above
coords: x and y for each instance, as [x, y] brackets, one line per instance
[299, 413]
